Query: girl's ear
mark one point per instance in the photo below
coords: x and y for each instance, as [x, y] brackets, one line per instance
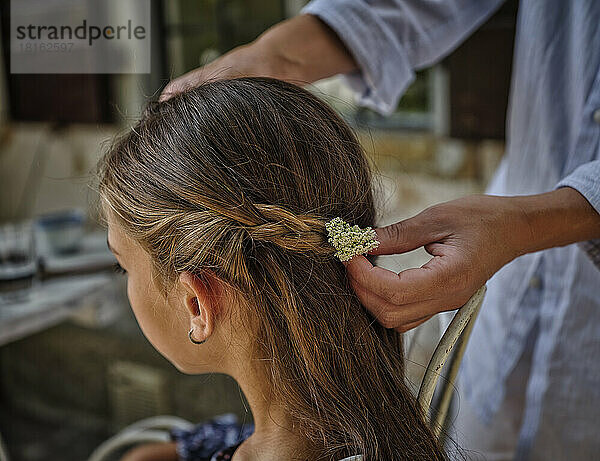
[199, 298]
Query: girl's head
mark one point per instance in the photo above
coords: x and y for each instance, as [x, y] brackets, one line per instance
[216, 203]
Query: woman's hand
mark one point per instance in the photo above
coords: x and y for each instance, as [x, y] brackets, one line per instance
[300, 50]
[470, 239]
[245, 60]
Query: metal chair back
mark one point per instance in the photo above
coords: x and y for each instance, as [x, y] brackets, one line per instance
[452, 345]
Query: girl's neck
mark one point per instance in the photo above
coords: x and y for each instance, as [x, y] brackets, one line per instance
[275, 435]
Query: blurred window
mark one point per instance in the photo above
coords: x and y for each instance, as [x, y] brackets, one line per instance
[464, 96]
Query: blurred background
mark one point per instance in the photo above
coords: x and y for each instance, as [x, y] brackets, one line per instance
[74, 365]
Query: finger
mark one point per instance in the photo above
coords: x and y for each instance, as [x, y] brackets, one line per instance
[165, 95]
[408, 286]
[181, 84]
[410, 326]
[393, 316]
[172, 89]
[407, 235]
[194, 78]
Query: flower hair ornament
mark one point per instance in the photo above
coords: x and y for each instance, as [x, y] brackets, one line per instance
[350, 240]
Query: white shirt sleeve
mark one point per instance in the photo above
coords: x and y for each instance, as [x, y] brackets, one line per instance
[586, 180]
[390, 39]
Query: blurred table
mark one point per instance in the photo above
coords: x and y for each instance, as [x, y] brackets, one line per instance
[66, 285]
[50, 303]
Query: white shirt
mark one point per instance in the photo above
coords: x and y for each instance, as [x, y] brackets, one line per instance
[553, 140]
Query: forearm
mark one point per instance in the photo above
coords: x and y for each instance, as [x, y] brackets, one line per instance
[560, 217]
[302, 49]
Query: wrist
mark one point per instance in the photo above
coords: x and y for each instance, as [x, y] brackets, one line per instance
[252, 60]
[275, 60]
[556, 218]
[302, 50]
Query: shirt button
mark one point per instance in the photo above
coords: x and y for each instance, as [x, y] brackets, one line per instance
[596, 116]
[535, 282]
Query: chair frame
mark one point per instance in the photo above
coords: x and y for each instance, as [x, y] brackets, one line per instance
[458, 332]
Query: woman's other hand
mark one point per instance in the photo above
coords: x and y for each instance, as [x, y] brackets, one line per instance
[300, 50]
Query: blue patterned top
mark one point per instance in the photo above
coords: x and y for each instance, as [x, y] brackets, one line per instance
[215, 440]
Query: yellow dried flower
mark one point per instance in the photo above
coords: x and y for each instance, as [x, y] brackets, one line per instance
[350, 240]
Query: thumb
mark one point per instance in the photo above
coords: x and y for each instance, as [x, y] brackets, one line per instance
[173, 88]
[406, 235]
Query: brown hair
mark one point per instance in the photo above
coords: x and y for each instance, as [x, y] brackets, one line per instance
[238, 177]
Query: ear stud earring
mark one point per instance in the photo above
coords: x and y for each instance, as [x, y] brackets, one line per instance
[193, 340]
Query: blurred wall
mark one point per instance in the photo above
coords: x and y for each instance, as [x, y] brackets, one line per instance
[43, 169]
